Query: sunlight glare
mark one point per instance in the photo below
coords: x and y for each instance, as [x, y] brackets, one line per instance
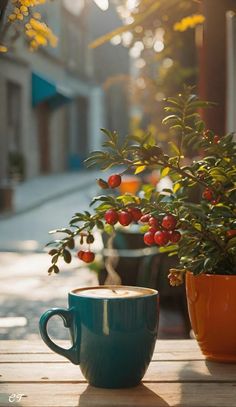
[102, 4]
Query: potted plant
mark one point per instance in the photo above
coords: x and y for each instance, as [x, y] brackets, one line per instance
[194, 219]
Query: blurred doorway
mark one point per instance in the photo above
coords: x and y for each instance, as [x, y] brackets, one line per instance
[43, 124]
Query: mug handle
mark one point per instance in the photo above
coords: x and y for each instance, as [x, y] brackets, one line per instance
[67, 317]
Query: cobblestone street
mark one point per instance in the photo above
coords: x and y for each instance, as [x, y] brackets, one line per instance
[26, 290]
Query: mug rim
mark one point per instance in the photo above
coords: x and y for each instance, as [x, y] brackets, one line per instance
[150, 294]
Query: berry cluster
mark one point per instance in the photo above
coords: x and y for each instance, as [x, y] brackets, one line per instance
[160, 232]
[209, 195]
[86, 255]
[124, 217]
[211, 137]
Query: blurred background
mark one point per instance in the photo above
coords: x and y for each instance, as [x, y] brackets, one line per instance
[67, 69]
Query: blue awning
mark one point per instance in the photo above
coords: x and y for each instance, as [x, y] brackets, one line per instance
[46, 90]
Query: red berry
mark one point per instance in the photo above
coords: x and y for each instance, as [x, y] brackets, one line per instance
[231, 233]
[88, 256]
[161, 237]
[114, 181]
[174, 236]
[111, 216]
[207, 194]
[153, 222]
[153, 230]
[169, 222]
[216, 139]
[80, 254]
[135, 213]
[145, 218]
[124, 218]
[215, 201]
[148, 238]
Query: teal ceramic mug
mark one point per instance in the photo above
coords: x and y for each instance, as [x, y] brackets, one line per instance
[113, 331]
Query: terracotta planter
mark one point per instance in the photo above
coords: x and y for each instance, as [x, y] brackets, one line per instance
[212, 310]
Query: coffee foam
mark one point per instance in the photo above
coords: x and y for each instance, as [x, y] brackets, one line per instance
[113, 291]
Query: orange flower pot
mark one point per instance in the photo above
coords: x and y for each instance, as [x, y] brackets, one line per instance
[212, 310]
[130, 184]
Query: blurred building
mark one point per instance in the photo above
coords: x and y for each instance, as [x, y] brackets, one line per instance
[52, 101]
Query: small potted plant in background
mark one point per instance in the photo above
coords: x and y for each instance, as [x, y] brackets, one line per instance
[202, 232]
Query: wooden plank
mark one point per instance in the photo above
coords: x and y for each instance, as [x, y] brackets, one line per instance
[151, 395]
[18, 346]
[55, 358]
[12, 346]
[32, 358]
[159, 371]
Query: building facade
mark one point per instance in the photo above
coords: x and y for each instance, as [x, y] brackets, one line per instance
[52, 101]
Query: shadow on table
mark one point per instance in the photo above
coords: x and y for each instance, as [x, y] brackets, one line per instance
[139, 396]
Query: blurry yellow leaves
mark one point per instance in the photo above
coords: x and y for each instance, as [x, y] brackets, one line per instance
[176, 187]
[165, 172]
[198, 226]
[3, 48]
[37, 32]
[189, 22]
[140, 169]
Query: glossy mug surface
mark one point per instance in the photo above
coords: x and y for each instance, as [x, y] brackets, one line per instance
[113, 331]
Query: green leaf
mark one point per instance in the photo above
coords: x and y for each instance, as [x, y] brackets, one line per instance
[102, 198]
[168, 249]
[63, 230]
[174, 147]
[55, 258]
[172, 119]
[231, 243]
[208, 263]
[52, 252]
[71, 244]
[99, 224]
[199, 103]
[52, 269]
[66, 255]
[55, 269]
[174, 101]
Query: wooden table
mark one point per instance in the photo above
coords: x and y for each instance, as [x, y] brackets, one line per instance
[177, 376]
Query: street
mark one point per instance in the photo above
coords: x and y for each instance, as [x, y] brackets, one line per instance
[26, 290]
